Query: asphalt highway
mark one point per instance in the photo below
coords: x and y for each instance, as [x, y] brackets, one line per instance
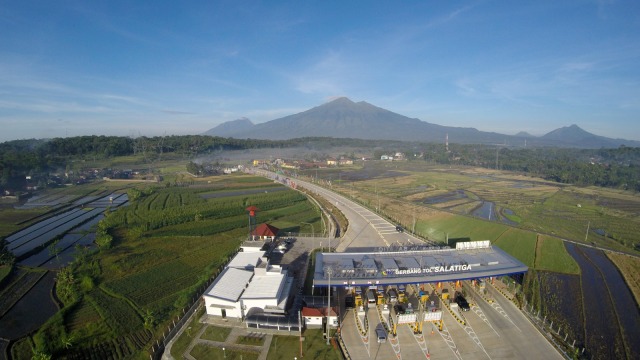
[496, 330]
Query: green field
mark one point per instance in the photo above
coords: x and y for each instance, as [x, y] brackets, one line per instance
[519, 244]
[215, 333]
[552, 256]
[163, 248]
[313, 347]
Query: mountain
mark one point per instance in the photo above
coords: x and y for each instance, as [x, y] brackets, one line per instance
[524, 134]
[230, 128]
[343, 118]
[574, 136]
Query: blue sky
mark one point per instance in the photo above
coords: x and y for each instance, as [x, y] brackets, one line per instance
[71, 68]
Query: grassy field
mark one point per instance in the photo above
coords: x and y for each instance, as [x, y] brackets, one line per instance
[215, 333]
[205, 352]
[552, 256]
[313, 347]
[520, 244]
[539, 206]
[188, 335]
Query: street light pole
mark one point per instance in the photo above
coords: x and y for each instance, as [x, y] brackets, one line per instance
[328, 270]
[313, 232]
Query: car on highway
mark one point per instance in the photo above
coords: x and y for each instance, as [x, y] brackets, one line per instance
[349, 302]
[399, 228]
[399, 309]
[381, 335]
[463, 304]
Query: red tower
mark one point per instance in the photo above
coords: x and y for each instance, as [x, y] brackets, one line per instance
[252, 210]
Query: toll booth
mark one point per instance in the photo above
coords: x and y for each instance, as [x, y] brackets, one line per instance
[393, 295]
[480, 283]
[445, 294]
[401, 292]
[424, 296]
[358, 297]
[379, 294]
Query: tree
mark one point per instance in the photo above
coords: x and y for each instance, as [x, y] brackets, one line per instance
[149, 319]
[40, 355]
[65, 282]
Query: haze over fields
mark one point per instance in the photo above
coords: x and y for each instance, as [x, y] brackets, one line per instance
[72, 68]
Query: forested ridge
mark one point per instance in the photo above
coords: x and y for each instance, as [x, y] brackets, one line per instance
[615, 168]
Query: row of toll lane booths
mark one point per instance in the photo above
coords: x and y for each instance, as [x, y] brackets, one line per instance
[357, 296]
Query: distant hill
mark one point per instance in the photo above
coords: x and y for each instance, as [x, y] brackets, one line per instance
[230, 128]
[574, 136]
[343, 118]
[524, 134]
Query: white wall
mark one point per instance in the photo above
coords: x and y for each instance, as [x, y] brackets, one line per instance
[234, 312]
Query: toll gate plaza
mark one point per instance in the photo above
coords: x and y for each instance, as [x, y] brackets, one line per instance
[414, 265]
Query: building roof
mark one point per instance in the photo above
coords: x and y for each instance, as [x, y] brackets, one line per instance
[415, 264]
[265, 230]
[246, 260]
[265, 286]
[230, 284]
[317, 312]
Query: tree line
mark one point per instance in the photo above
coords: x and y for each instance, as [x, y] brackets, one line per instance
[613, 168]
[616, 168]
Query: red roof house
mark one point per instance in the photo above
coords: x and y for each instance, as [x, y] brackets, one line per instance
[264, 232]
[313, 316]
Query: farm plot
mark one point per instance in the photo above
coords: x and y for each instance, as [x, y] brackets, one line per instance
[54, 251]
[226, 193]
[47, 201]
[13, 219]
[120, 317]
[48, 222]
[113, 200]
[47, 233]
[562, 303]
[81, 316]
[604, 339]
[626, 309]
[33, 309]
[629, 266]
[153, 268]
[156, 282]
[17, 288]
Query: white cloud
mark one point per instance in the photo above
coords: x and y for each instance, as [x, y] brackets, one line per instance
[326, 76]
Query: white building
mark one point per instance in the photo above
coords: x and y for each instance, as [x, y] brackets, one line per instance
[249, 284]
[222, 298]
[314, 317]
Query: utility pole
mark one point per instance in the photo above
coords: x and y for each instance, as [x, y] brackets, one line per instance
[587, 234]
[413, 227]
[299, 328]
[328, 270]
